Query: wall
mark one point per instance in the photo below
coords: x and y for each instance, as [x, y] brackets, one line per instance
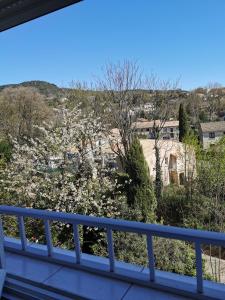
[185, 159]
[207, 141]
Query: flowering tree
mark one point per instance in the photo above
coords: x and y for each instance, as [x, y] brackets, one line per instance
[75, 183]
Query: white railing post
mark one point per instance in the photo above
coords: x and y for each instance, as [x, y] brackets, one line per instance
[22, 233]
[151, 259]
[77, 243]
[2, 251]
[199, 275]
[48, 237]
[111, 250]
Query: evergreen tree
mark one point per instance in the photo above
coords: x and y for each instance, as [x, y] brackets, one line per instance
[140, 191]
[183, 123]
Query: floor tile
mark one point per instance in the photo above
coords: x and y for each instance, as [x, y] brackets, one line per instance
[142, 293]
[29, 268]
[88, 285]
[2, 280]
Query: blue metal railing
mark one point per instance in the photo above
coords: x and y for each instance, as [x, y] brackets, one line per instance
[197, 237]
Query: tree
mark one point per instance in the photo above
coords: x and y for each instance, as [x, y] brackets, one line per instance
[192, 150]
[5, 150]
[213, 97]
[211, 183]
[30, 181]
[140, 192]
[170, 255]
[160, 92]
[20, 109]
[121, 92]
[194, 108]
[183, 123]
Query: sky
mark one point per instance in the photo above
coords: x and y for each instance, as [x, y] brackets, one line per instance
[174, 39]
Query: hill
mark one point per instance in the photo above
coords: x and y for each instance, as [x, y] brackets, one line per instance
[49, 90]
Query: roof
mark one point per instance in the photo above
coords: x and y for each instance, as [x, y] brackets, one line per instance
[150, 124]
[148, 146]
[16, 12]
[213, 126]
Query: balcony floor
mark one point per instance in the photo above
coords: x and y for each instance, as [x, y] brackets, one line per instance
[65, 283]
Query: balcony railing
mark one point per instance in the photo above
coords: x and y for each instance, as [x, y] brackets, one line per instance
[196, 237]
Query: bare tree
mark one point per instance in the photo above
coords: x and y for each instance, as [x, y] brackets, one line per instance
[121, 89]
[213, 98]
[194, 104]
[160, 93]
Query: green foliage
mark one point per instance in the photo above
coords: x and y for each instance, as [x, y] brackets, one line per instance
[211, 170]
[5, 150]
[179, 209]
[140, 191]
[210, 182]
[175, 256]
[183, 123]
[170, 255]
[200, 203]
[191, 139]
[203, 117]
[171, 206]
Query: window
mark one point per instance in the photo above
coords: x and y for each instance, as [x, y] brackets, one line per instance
[172, 135]
[181, 177]
[212, 135]
[171, 129]
[166, 160]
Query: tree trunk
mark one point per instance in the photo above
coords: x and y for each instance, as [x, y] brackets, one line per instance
[158, 177]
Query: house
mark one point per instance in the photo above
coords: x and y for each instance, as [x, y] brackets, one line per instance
[169, 131]
[145, 107]
[177, 160]
[211, 132]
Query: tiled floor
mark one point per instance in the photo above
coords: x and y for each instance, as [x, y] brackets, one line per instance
[141, 293]
[80, 283]
[88, 285]
[30, 268]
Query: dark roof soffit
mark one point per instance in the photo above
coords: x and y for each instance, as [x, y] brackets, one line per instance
[16, 12]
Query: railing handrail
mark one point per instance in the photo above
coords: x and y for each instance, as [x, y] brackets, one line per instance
[197, 237]
[166, 231]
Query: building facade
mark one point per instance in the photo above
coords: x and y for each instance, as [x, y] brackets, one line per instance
[168, 131]
[177, 160]
[211, 132]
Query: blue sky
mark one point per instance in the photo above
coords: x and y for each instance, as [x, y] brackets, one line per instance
[173, 38]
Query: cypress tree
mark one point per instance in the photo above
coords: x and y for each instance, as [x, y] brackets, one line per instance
[183, 123]
[140, 192]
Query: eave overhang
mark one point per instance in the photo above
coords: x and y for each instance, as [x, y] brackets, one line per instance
[16, 12]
